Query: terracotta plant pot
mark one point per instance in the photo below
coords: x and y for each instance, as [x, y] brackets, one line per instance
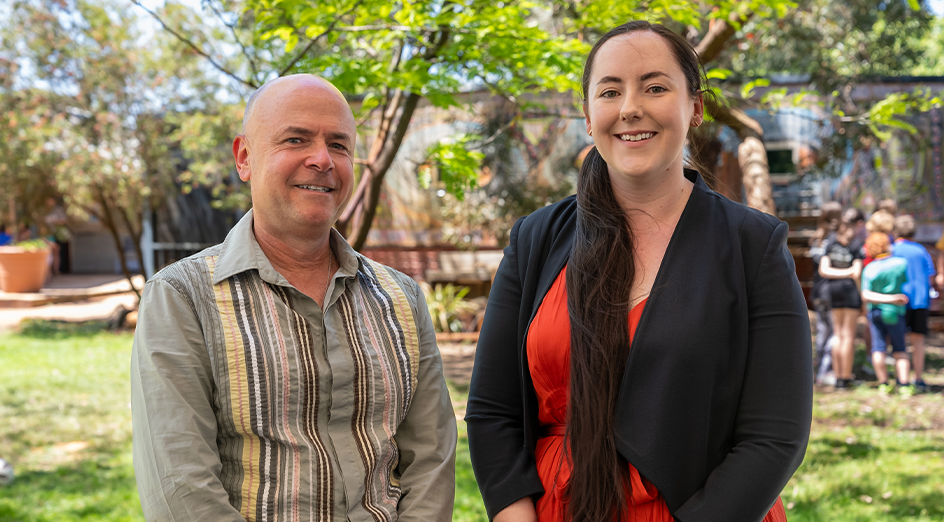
[23, 270]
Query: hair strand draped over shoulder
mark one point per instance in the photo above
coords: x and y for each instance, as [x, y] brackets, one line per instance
[600, 274]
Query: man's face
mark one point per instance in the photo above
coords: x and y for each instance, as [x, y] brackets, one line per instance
[298, 151]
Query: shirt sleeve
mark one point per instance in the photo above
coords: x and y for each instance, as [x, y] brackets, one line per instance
[426, 438]
[775, 409]
[176, 459]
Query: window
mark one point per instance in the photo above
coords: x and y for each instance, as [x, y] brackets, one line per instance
[781, 161]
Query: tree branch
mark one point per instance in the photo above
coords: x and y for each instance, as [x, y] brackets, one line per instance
[196, 48]
[331, 27]
[232, 29]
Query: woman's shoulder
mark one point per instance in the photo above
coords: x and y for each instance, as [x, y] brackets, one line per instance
[748, 222]
[546, 222]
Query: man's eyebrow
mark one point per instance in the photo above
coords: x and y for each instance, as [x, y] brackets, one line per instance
[339, 136]
[298, 130]
[302, 131]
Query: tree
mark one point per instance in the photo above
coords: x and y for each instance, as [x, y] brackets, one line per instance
[836, 46]
[95, 95]
[391, 56]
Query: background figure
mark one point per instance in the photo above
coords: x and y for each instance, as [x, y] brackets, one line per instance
[829, 219]
[5, 239]
[841, 265]
[887, 205]
[918, 289]
[880, 221]
[882, 282]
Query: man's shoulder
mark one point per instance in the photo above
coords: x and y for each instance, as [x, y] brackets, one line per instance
[384, 275]
[189, 270]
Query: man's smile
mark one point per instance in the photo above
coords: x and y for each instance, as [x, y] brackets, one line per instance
[315, 188]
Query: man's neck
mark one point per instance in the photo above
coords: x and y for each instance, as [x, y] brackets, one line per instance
[305, 262]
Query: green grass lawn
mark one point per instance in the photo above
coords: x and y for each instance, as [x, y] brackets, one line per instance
[66, 427]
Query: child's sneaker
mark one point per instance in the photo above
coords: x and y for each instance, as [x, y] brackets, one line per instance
[906, 390]
[885, 388]
[921, 387]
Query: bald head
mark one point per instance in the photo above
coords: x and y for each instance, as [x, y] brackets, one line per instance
[272, 88]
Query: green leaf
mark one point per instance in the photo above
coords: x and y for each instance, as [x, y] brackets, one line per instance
[748, 89]
[718, 74]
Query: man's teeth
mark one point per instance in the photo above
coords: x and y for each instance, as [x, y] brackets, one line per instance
[315, 188]
[636, 137]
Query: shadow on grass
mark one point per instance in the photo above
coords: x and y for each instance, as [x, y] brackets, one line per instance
[59, 329]
[89, 490]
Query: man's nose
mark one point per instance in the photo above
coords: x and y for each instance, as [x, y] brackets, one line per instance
[319, 157]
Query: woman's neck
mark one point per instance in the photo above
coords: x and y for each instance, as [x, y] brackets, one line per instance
[661, 199]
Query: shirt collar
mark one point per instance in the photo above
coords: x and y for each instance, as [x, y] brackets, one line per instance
[241, 252]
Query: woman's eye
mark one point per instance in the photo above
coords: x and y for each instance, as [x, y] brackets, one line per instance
[657, 89]
[608, 94]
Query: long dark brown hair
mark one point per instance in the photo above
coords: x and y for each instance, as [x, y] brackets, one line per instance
[600, 274]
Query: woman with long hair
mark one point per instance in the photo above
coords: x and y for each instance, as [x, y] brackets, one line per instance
[841, 265]
[645, 353]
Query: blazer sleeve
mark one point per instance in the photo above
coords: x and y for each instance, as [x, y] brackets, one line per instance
[775, 410]
[504, 468]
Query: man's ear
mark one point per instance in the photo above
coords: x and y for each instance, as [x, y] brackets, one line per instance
[241, 155]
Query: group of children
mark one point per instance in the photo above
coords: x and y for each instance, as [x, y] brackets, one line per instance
[875, 263]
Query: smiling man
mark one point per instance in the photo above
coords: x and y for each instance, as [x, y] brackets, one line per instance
[281, 375]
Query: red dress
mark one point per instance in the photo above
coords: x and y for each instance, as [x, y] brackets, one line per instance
[548, 346]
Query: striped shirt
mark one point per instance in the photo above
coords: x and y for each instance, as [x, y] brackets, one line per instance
[249, 403]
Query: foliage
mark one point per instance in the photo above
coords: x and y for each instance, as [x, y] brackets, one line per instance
[835, 46]
[456, 163]
[447, 305]
[89, 120]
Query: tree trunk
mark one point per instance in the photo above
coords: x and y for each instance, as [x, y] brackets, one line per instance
[105, 216]
[752, 156]
[376, 170]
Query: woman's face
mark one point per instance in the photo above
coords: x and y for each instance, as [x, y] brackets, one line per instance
[638, 106]
[845, 234]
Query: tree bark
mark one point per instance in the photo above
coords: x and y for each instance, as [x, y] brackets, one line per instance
[105, 216]
[752, 156]
[378, 169]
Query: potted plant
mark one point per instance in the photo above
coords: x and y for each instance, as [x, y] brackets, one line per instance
[24, 266]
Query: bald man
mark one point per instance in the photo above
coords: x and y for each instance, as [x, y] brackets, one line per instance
[281, 375]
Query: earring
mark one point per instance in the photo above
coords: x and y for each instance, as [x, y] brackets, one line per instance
[590, 133]
[696, 124]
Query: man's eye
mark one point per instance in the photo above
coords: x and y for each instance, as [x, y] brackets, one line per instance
[294, 141]
[339, 146]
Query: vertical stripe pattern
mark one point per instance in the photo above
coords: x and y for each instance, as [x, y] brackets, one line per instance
[275, 391]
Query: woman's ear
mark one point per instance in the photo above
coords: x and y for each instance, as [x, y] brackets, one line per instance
[698, 111]
[587, 119]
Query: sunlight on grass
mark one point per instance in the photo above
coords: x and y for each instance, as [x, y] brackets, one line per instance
[67, 430]
[67, 426]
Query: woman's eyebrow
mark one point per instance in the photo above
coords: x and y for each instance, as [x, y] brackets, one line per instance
[610, 79]
[651, 75]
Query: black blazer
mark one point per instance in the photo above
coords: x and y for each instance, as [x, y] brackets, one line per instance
[716, 402]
